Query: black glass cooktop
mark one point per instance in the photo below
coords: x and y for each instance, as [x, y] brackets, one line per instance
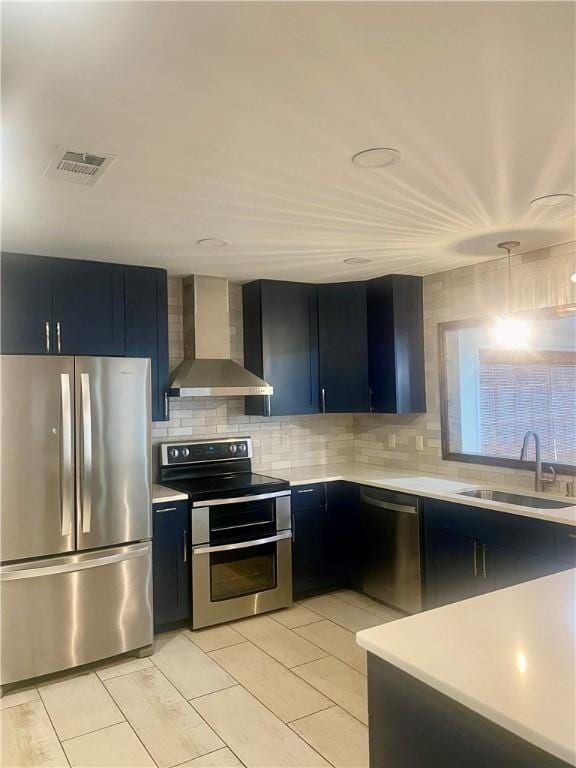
[227, 486]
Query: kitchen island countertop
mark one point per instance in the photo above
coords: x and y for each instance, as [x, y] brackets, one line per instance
[507, 655]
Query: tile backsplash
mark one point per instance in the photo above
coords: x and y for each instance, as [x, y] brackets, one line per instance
[540, 279]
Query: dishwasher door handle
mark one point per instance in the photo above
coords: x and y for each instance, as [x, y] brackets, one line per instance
[389, 505]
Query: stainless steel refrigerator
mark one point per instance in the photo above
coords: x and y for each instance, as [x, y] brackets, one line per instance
[75, 549]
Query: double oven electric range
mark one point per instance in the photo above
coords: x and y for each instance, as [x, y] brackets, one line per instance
[241, 529]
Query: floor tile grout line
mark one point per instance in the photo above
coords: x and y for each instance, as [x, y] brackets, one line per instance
[311, 745]
[239, 642]
[201, 694]
[334, 621]
[288, 669]
[368, 610]
[253, 642]
[54, 728]
[314, 621]
[336, 705]
[212, 752]
[11, 706]
[324, 657]
[196, 711]
[296, 719]
[125, 721]
[122, 674]
[273, 715]
[346, 603]
[330, 654]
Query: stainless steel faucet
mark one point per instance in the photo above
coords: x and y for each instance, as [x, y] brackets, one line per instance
[540, 482]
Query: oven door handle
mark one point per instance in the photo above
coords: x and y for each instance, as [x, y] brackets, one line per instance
[241, 544]
[242, 525]
[240, 499]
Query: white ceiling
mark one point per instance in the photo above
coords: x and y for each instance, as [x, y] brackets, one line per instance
[238, 121]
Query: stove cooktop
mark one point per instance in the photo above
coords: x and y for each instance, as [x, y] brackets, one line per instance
[227, 486]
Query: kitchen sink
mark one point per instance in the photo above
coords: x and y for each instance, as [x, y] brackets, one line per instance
[516, 498]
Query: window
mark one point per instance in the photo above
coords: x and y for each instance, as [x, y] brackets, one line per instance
[490, 397]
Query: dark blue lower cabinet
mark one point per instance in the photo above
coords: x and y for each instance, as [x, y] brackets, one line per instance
[320, 549]
[469, 551]
[171, 563]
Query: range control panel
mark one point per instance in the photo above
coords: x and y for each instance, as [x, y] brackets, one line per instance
[215, 450]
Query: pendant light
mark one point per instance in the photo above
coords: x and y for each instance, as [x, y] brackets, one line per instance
[510, 332]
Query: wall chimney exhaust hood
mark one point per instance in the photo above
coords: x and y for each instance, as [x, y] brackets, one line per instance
[207, 370]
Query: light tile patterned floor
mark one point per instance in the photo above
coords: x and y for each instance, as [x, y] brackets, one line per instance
[285, 689]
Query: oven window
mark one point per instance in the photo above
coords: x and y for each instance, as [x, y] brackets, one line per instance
[242, 571]
[245, 518]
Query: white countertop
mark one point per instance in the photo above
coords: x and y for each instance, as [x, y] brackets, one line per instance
[161, 494]
[434, 487]
[508, 655]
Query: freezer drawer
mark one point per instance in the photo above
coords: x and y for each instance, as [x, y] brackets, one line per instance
[66, 611]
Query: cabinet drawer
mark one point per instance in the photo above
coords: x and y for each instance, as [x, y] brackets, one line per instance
[566, 543]
[308, 497]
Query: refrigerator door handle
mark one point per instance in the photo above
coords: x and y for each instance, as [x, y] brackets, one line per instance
[86, 454]
[74, 563]
[66, 458]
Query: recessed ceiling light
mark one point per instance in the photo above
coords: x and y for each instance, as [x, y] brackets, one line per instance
[357, 260]
[550, 201]
[377, 157]
[213, 242]
[573, 277]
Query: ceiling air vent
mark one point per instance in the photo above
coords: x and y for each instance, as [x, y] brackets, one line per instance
[78, 167]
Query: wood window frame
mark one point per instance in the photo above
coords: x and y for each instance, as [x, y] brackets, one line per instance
[473, 458]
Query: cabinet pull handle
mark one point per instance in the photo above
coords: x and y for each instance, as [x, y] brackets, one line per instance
[58, 337]
[572, 535]
[165, 405]
[166, 509]
[323, 392]
[475, 558]
[185, 553]
[47, 331]
[307, 490]
[370, 393]
[484, 548]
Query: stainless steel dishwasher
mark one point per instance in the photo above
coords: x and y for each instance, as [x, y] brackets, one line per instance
[391, 548]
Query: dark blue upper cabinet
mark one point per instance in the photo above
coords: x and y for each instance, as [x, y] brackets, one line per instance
[88, 307]
[26, 305]
[396, 344]
[281, 345]
[147, 328]
[343, 348]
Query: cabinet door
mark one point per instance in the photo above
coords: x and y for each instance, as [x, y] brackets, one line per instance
[88, 307]
[343, 500]
[396, 344]
[281, 346]
[26, 305]
[147, 328]
[505, 566]
[342, 334]
[454, 567]
[170, 549]
[312, 562]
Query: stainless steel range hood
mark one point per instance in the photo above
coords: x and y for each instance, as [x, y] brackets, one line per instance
[207, 370]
